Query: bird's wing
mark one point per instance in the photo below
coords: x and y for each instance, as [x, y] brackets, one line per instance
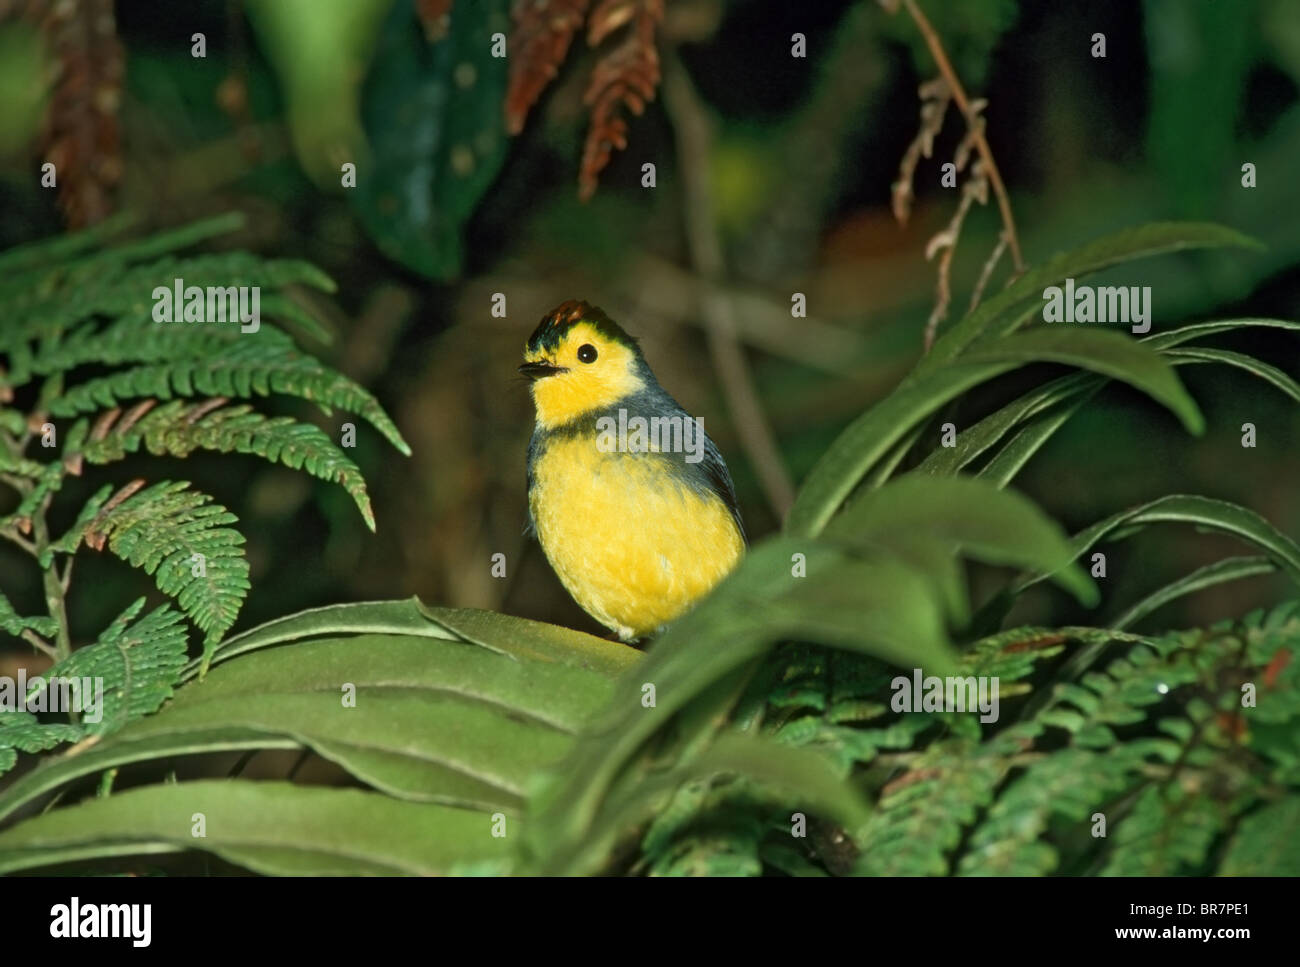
[530, 528]
[719, 477]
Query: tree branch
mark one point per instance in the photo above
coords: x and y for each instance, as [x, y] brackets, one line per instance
[958, 94]
[691, 128]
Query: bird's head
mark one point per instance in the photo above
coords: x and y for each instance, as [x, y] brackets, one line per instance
[580, 360]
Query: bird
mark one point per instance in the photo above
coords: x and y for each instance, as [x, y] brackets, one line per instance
[629, 498]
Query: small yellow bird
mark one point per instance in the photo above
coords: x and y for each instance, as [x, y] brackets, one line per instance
[630, 499]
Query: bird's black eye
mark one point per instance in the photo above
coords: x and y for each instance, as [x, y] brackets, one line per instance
[587, 353]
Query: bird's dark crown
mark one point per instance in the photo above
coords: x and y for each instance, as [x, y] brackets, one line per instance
[550, 332]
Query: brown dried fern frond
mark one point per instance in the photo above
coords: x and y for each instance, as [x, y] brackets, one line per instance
[625, 77]
[936, 95]
[81, 134]
[539, 43]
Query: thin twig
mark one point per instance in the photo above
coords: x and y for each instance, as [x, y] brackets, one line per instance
[691, 126]
[971, 115]
[39, 643]
[975, 188]
[943, 297]
[55, 598]
[66, 578]
[18, 539]
[934, 106]
[987, 271]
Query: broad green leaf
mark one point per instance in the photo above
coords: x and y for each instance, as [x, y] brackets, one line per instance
[1270, 374]
[1201, 512]
[1220, 572]
[879, 607]
[434, 719]
[272, 828]
[534, 640]
[797, 779]
[553, 693]
[871, 436]
[433, 115]
[400, 617]
[868, 438]
[125, 749]
[417, 743]
[1106, 353]
[991, 525]
[1003, 313]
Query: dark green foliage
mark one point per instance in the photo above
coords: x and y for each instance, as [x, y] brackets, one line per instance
[178, 535]
[138, 661]
[80, 337]
[763, 732]
[1157, 743]
[177, 429]
[432, 113]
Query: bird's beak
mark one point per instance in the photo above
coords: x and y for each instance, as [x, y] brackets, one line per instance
[540, 369]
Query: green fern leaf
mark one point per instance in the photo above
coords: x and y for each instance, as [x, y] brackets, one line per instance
[1267, 843]
[1168, 833]
[139, 663]
[21, 732]
[14, 624]
[44, 310]
[174, 430]
[178, 535]
[47, 484]
[919, 819]
[1071, 784]
[129, 340]
[242, 371]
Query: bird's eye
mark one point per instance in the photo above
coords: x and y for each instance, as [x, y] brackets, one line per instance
[587, 353]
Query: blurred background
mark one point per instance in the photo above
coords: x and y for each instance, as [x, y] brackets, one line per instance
[773, 177]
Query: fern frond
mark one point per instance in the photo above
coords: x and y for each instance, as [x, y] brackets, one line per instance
[178, 428]
[1071, 784]
[920, 816]
[72, 537]
[47, 484]
[1168, 833]
[178, 535]
[1267, 842]
[243, 371]
[61, 248]
[20, 731]
[139, 663]
[129, 340]
[13, 623]
[41, 311]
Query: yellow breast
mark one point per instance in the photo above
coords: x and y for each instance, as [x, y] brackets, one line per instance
[632, 544]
